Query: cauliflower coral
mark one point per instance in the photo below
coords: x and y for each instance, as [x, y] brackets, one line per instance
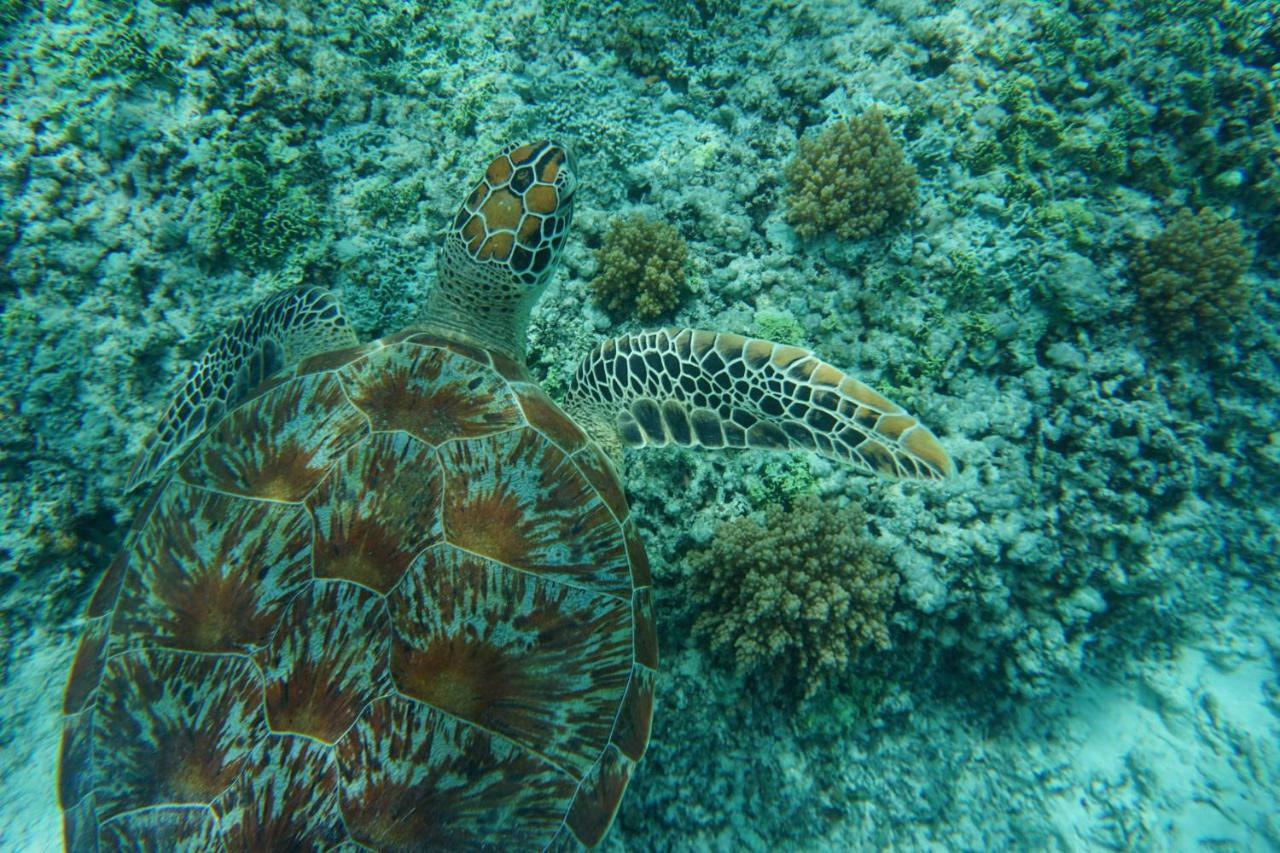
[791, 602]
[641, 270]
[851, 180]
[1189, 275]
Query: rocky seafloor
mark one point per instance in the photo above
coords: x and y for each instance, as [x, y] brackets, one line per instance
[1083, 645]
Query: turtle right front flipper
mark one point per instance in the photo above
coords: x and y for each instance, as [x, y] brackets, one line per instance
[717, 389]
[279, 331]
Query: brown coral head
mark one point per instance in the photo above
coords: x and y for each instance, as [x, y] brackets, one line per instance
[641, 273]
[852, 180]
[1189, 277]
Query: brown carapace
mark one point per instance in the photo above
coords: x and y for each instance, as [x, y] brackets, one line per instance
[395, 600]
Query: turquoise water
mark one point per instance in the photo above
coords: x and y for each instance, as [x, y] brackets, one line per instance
[1047, 231]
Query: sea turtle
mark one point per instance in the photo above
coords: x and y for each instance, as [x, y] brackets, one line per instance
[390, 595]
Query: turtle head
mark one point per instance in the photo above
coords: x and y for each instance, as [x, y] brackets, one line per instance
[502, 247]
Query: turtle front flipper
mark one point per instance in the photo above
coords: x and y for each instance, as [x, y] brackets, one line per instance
[709, 389]
[281, 330]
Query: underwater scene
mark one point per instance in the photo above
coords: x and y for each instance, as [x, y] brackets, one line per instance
[639, 424]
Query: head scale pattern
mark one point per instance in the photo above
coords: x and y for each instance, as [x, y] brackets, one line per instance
[506, 238]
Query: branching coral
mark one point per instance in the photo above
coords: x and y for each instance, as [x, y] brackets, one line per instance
[118, 45]
[1189, 275]
[259, 215]
[851, 180]
[790, 602]
[641, 269]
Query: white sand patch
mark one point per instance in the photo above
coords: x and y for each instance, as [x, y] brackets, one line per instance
[30, 718]
[1183, 754]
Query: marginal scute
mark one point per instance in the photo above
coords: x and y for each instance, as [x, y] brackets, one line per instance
[104, 597]
[546, 417]
[86, 668]
[80, 825]
[76, 779]
[508, 368]
[334, 359]
[172, 828]
[646, 634]
[640, 573]
[597, 801]
[635, 717]
[599, 471]
[467, 351]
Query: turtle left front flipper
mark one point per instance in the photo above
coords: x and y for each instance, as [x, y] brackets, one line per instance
[280, 331]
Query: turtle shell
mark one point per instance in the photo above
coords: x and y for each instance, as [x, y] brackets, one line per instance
[393, 600]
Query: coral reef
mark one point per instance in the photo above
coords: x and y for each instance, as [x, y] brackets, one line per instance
[1189, 275]
[116, 45]
[1114, 500]
[641, 269]
[1203, 119]
[852, 179]
[258, 214]
[791, 601]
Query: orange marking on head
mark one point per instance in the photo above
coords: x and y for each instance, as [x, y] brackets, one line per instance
[499, 171]
[541, 198]
[530, 231]
[473, 229]
[552, 168]
[921, 444]
[524, 152]
[497, 247]
[502, 210]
